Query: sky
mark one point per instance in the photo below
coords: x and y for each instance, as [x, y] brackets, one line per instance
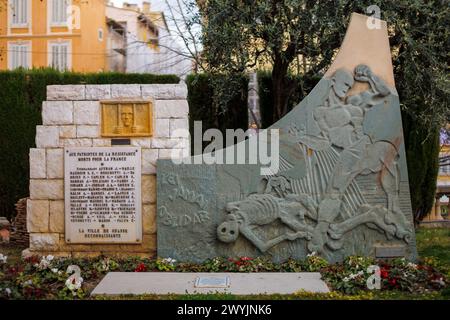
[157, 5]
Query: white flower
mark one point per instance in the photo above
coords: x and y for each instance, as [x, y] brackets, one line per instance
[439, 281]
[412, 265]
[28, 283]
[312, 254]
[55, 270]
[353, 276]
[8, 291]
[45, 262]
[74, 283]
[3, 258]
[346, 279]
[169, 261]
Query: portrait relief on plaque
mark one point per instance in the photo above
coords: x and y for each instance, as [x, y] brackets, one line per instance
[126, 118]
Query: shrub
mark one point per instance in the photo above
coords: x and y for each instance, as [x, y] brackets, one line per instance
[201, 106]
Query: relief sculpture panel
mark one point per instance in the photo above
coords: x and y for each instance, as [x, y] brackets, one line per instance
[340, 189]
[126, 118]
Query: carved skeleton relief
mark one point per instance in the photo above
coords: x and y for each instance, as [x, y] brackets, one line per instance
[326, 203]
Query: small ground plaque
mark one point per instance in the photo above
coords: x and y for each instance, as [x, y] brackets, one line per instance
[103, 195]
[212, 282]
[386, 251]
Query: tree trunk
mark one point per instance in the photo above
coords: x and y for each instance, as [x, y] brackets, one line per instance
[282, 88]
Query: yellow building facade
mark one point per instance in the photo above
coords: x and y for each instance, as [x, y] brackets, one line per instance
[442, 202]
[63, 34]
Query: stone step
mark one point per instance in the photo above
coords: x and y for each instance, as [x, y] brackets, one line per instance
[118, 283]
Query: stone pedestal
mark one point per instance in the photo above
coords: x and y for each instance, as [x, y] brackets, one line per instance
[72, 118]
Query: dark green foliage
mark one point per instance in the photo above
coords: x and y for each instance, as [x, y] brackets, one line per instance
[265, 89]
[201, 106]
[21, 96]
[422, 154]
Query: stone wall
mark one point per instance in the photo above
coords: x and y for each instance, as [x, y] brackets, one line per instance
[71, 118]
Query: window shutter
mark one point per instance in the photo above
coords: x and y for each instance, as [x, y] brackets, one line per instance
[54, 10]
[24, 11]
[14, 56]
[55, 56]
[64, 57]
[59, 11]
[19, 11]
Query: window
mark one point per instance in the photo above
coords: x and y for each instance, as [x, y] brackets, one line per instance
[100, 34]
[19, 55]
[59, 56]
[59, 12]
[19, 12]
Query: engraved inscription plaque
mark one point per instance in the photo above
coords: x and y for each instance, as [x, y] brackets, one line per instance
[102, 188]
[212, 282]
[390, 251]
[126, 118]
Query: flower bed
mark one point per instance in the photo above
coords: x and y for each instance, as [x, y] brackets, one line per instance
[52, 278]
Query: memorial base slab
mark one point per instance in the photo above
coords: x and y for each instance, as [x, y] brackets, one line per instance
[134, 283]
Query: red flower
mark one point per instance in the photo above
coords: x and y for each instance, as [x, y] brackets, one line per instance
[393, 281]
[246, 259]
[384, 273]
[140, 268]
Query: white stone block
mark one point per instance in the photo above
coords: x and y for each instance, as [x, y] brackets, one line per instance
[44, 241]
[57, 112]
[179, 128]
[148, 189]
[172, 153]
[149, 218]
[87, 112]
[125, 91]
[56, 217]
[162, 128]
[55, 163]
[88, 131]
[141, 142]
[37, 164]
[98, 91]
[66, 92]
[101, 142]
[149, 158]
[79, 142]
[168, 143]
[47, 136]
[46, 189]
[67, 131]
[171, 109]
[164, 91]
[37, 215]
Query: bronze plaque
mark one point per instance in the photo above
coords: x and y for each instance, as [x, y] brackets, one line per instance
[127, 118]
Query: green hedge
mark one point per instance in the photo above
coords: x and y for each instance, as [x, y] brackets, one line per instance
[21, 96]
[200, 98]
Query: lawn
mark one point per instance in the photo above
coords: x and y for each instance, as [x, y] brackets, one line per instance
[434, 243]
[31, 280]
